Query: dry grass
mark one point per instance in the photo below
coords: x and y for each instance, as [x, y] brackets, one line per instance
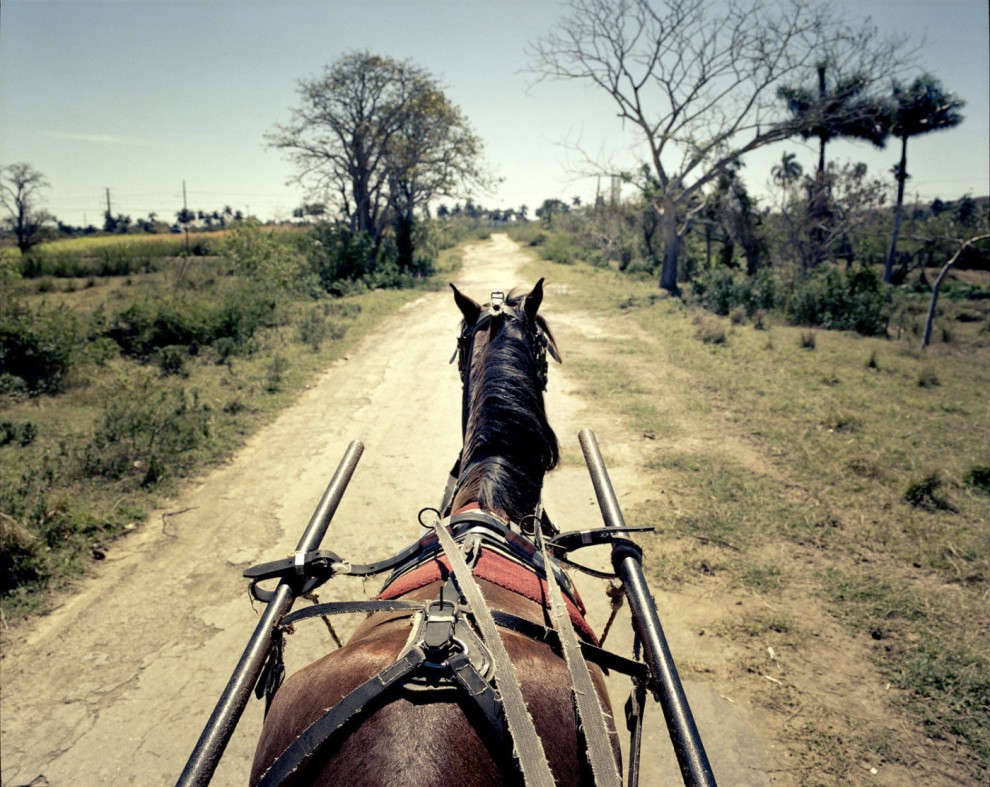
[795, 476]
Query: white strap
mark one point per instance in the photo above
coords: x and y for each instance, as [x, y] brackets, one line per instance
[528, 746]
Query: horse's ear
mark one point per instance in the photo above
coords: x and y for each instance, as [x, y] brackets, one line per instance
[533, 301]
[469, 308]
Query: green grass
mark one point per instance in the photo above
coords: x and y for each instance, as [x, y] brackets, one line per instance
[848, 455]
[83, 465]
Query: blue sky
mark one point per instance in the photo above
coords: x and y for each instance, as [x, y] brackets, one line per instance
[140, 95]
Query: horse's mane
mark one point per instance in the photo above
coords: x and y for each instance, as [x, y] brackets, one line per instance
[508, 443]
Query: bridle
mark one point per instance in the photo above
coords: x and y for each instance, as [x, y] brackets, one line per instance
[491, 317]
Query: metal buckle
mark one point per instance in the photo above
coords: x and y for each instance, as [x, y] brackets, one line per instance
[498, 300]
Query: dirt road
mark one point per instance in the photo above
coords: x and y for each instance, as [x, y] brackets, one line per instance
[115, 685]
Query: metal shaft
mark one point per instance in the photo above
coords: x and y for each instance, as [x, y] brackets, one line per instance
[213, 741]
[690, 751]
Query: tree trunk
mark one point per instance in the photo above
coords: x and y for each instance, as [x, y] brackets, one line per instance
[926, 339]
[671, 247]
[888, 266]
[404, 241]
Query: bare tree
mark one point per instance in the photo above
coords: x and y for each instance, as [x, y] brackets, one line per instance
[930, 319]
[20, 188]
[698, 82]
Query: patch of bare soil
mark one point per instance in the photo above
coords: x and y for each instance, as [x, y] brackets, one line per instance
[115, 685]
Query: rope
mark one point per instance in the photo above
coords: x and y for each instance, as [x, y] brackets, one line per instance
[528, 746]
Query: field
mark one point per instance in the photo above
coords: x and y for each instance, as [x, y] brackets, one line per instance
[829, 494]
[129, 383]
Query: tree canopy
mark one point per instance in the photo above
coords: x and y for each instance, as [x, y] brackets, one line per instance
[376, 138]
[699, 84]
[919, 108]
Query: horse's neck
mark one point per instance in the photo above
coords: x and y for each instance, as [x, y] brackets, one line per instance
[499, 483]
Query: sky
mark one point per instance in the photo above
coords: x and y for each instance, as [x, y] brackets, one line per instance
[138, 97]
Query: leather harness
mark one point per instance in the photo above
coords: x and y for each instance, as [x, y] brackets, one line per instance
[444, 652]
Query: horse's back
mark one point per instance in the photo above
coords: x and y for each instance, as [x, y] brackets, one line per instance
[422, 737]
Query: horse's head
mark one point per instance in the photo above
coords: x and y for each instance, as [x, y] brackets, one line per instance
[517, 315]
[502, 357]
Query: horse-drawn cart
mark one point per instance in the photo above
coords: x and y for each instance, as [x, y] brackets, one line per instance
[474, 658]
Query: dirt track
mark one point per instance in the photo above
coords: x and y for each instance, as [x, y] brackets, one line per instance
[115, 685]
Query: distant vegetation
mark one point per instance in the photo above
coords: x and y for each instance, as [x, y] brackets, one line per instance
[126, 365]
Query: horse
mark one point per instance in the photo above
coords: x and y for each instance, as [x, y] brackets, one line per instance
[434, 734]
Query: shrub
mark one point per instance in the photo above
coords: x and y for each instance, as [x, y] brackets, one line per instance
[722, 290]
[710, 330]
[854, 300]
[313, 329]
[193, 320]
[21, 434]
[264, 259]
[37, 346]
[147, 434]
[172, 361]
[339, 256]
[561, 249]
[978, 477]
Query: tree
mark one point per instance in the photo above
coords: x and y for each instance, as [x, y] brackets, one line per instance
[788, 171]
[698, 84]
[735, 211]
[551, 208]
[379, 138]
[844, 109]
[20, 189]
[853, 198]
[920, 108]
[431, 155]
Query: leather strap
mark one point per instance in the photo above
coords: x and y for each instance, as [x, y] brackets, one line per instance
[526, 742]
[590, 713]
[291, 763]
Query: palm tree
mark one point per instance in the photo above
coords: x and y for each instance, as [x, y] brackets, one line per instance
[844, 110]
[918, 109]
[788, 170]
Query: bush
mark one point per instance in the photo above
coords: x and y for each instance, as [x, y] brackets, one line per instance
[194, 320]
[710, 330]
[172, 361]
[978, 477]
[265, 259]
[147, 434]
[852, 300]
[339, 256]
[37, 346]
[722, 290]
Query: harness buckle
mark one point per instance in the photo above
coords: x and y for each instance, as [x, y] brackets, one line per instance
[438, 630]
[498, 300]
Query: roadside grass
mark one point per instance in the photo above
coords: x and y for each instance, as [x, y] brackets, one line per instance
[845, 459]
[82, 466]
